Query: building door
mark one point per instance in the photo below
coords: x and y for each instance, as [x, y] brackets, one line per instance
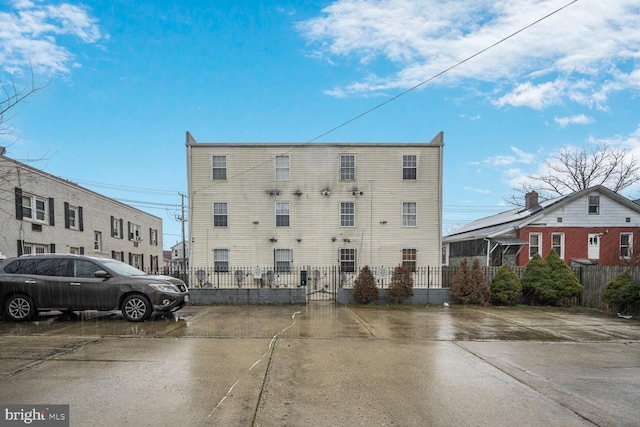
[593, 251]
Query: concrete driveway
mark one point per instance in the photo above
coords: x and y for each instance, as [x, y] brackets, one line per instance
[324, 365]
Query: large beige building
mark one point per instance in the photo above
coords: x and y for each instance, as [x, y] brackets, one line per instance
[41, 213]
[280, 206]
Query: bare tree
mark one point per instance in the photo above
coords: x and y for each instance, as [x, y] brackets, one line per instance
[569, 170]
[11, 95]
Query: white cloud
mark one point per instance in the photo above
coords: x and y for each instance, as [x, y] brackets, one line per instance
[517, 156]
[582, 54]
[30, 35]
[579, 119]
[478, 190]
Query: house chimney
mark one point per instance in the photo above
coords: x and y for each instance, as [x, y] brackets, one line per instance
[530, 199]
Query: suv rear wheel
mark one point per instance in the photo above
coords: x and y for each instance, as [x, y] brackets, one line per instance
[136, 308]
[19, 308]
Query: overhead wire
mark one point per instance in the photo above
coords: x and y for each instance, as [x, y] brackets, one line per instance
[411, 89]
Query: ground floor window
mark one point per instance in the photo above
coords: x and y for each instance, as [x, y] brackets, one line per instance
[557, 243]
[535, 242]
[34, 248]
[626, 241]
[282, 260]
[348, 260]
[409, 257]
[221, 260]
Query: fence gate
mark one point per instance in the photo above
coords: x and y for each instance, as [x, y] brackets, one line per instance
[321, 283]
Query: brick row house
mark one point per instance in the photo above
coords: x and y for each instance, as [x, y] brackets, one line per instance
[42, 213]
[289, 205]
[592, 226]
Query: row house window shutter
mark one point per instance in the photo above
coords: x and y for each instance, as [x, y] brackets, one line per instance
[18, 192]
[51, 212]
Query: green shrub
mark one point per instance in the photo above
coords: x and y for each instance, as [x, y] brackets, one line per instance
[365, 289]
[564, 283]
[401, 286]
[622, 293]
[468, 285]
[536, 276]
[506, 287]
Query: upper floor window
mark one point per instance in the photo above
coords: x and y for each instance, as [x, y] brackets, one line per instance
[594, 205]
[409, 214]
[347, 167]
[219, 164]
[409, 258]
[535, 243]
[72, 217]
[557, 243]
[153, 237]
[34, 207]
[347, 214]
[282, 168]
[134, 232]
[409, 166]
[283, 210]
[116, 227]
[626, 245]
[282, 260]
[220, 216]
[221, 260]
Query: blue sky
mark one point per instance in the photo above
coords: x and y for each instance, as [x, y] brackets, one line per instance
[125, 81]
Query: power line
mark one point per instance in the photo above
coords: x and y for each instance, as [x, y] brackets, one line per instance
[122, 187]
[435, 76]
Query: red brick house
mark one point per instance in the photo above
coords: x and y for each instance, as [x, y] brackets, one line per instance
[592, 226]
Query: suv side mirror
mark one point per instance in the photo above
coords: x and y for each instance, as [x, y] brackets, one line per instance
[101, 274]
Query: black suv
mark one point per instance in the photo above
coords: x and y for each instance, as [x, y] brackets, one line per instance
[32, 283]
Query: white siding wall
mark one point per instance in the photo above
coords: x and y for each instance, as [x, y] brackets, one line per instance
[575, 214]
[315, 218]
[96, 214]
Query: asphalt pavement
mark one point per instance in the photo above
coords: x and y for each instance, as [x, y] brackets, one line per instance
[328, 365]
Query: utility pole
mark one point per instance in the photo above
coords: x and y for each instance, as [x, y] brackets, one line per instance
[182, 219]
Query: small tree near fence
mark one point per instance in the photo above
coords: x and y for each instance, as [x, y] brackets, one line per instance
[622, 294]
[401, 286]
[364, 288]
[469, 286]
[506, 287]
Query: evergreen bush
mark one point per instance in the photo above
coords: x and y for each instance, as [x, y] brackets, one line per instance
[506, 287]
[365, 289]
[468, 285]
[401, 286]
[622, 293]
[564, 284]
[536, 275]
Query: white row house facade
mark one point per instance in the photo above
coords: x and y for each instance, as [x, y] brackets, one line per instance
[282, 206]
[42, 213]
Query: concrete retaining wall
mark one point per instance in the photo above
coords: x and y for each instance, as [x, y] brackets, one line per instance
[253, 296]
[420, 296]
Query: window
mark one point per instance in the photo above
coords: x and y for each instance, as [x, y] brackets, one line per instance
[34, 248]
[221, 260]
[347, 167]
[34, 208]
[409, 258]
[134, 232]
[220, 218]
[73, 214]
[135, 260]
[282, 214]
[594, 205]
[409, 166]
[119, 256]
[219, 164]
[347, 214]
[282, 168]
[409, 214]
[557, 243]
[348, 260]
[535, 242]
[282, 260]
[153, 237]
[84, 268]
[97, 241]
[74, 250]
[626, 245]
[116, 227]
